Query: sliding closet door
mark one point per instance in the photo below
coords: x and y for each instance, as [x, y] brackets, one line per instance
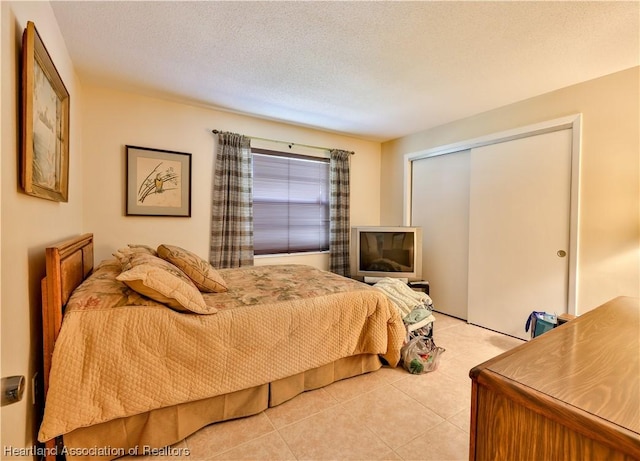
[519, 230]
[440, 204]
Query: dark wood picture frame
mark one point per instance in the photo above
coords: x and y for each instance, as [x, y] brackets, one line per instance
[45, 122]
[158, 182]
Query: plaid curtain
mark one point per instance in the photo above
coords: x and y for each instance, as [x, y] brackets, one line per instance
[339, 213]
[232, 206]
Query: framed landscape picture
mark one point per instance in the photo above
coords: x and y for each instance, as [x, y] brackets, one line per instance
[45, 122]
[158, 182]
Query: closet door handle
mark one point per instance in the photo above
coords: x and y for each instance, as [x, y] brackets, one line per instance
[561, 253]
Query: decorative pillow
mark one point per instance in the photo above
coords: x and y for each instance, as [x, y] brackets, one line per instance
[124, 254]
[163, 282]
[201, 273]
[139, 248]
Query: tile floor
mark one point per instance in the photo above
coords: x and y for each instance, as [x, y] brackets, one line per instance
[386, 415]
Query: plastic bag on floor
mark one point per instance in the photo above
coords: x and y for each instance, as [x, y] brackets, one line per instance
[420, 355]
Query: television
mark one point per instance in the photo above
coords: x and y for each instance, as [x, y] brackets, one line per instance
[378, 251]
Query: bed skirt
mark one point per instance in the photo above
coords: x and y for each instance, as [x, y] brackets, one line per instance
[169, 425]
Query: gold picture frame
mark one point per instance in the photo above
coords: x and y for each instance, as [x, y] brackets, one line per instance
[45, 122]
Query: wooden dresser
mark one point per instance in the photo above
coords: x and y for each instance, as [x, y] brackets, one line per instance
[572, 393]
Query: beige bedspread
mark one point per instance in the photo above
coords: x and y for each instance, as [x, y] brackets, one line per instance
[120, 354]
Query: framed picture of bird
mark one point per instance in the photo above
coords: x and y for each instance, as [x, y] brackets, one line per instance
[158, 182]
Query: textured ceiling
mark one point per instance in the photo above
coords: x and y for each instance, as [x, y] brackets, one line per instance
[375, 70]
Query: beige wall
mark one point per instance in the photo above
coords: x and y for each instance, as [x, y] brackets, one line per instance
[113, 119]
[29, 224]
[609, 226]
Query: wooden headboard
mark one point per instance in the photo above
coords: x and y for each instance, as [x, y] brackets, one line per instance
[67, 265]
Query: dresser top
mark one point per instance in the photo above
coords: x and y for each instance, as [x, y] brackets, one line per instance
[591, 363]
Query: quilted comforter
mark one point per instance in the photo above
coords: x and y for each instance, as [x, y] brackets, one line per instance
[120, 354]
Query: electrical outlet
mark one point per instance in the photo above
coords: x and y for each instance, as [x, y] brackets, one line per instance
[34, 388]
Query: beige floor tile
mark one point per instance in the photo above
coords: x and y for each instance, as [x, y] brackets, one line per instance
[268, 447]
[504, 342]
[390, 375]
[300, 407]
[465, 331]
[462, 420]
[176, 452]
[494, 343]
[437, 391]
[347, 389]
[333, 434]
[450, 341]
[221, 437]
[392, 415]
[444, 321]
[474, 342]
[457, 367]
[443, 443]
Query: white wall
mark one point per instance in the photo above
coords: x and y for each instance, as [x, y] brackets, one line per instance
[113, 119]
[609, 220]
[29, 224]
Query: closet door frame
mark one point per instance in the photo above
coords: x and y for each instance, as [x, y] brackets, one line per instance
[573, 122]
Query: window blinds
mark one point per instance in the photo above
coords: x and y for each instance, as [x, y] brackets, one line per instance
[290, 203]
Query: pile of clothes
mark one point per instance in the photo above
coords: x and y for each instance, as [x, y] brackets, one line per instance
[419, 354]
[415, 307]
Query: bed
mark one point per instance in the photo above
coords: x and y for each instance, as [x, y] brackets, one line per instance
[124, 371]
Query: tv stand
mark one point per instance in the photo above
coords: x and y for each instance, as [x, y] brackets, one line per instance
[418, 285]
[372, 280]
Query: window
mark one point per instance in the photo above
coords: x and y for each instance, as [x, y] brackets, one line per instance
[290, 203]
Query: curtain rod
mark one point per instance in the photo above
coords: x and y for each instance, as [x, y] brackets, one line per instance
[290, 144]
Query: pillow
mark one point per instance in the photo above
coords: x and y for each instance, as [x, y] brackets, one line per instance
[139, 248]
[163, 282]
[201, 273]
[123, 254]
